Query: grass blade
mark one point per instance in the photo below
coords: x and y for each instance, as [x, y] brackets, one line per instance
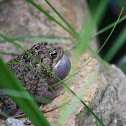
[119, 42]
[13, 54]
[108, 27]
[10, 82]
[110, 35]
[40, 38]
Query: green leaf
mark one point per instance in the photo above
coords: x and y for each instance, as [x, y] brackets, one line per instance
[119, 42]
[13, 54]
[108, 27]
[40, 38]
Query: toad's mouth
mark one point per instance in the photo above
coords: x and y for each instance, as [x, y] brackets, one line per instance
[62, 68]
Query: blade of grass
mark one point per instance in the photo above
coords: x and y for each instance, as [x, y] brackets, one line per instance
[119, 42]
[4, 53]
[101, 8]
[9, 81]
[108, 27]
[16, 93]
[4, 115]
[40, 38]
[90, 25]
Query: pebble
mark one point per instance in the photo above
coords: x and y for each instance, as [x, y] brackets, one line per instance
[14, 122]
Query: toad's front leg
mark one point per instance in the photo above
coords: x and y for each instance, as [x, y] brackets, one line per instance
[42, 91]
[8, 106]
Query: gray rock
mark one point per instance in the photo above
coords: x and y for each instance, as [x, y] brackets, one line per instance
[109, 103]
[14, 122]
[2, 125]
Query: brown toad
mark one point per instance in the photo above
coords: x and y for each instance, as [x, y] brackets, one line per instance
[52, 57]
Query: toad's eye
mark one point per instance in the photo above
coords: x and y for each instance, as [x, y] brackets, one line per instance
[53, 54]
[37, 47]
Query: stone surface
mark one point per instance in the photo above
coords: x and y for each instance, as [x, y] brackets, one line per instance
[14, 122]
[101, 89]
[109, 101]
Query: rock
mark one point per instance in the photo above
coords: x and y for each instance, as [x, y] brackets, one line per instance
[108, 102]
[2, 125]
[14, 122]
